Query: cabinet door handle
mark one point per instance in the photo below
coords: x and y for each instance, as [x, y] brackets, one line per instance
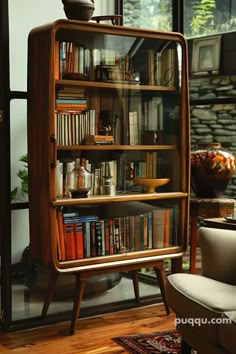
[53, 151]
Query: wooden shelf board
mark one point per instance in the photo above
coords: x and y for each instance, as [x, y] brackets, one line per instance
[110, 263]
[103, 199]
[113, 85]
[117, 147]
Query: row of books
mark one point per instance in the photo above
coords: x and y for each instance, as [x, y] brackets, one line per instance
[72, 126]
[90, 236]
[155, 67]
[73, 121]
[74, 58]
[71, 57]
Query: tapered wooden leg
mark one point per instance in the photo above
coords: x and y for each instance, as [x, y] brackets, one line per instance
[80, 282]
[50, 292]
[136, 285]
[177, 265]
[160, 274]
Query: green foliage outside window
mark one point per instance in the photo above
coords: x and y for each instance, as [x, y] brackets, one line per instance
[209, 17]
[21, 192]
[150, 14]
[203, 19]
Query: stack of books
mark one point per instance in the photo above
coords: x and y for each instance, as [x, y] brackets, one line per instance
[98, 139]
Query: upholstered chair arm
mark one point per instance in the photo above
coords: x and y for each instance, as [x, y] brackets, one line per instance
[218, 252]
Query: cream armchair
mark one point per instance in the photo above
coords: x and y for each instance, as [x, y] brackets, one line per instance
[205, 305]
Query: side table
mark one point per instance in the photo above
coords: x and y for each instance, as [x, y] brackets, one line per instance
[206, 208]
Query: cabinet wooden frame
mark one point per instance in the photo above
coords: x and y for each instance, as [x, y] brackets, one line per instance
[43, 150]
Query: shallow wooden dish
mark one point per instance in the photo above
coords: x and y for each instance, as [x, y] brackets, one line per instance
[151, 183]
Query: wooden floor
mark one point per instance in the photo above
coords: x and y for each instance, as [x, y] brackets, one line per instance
[93, 335]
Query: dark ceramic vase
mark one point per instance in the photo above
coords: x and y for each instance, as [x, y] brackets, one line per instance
[212, 167]
[79, 9]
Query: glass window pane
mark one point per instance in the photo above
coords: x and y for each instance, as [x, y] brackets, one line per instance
[150, 14]
[209, 17]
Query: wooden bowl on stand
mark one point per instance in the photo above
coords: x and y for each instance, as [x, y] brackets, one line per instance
[151, 183]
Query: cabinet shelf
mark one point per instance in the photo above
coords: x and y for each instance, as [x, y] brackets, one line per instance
[117, 147]
[118, 198]
[128, 259]
[113, 85]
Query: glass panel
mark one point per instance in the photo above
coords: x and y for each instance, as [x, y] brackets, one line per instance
[150, 14]
[117, 229]
[136, 118]
[105, 291]
[209, 17]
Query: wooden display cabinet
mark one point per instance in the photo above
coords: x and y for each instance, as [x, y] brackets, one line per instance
[115, 96]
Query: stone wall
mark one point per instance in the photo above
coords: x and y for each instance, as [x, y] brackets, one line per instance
[214, 122]
[147, 14]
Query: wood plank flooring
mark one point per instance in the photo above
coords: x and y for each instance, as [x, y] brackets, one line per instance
[93, 335]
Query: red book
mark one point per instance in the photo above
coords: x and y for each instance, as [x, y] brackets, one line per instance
[111, 236]
[69, 239]
[79, 242]
[107, 237]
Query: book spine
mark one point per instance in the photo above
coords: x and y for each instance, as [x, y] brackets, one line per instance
[149, 229]
[62, 58]
[70, 101]
[69, 239]
[158, 228]
[107, 236]
[103, 237]
[111, 236]
[167, 228]
[131, 233]
[141, 232]
[98, 238]
[57, 61]
[93, 238]
[121, 175]
[123, 235]
[126, 234]
[87, 218]
[79, 242]
[87, 243]
[137, 232]
[116, 236]
[75, 106]
[145, 231]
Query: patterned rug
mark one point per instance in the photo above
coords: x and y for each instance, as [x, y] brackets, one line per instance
[168, 342]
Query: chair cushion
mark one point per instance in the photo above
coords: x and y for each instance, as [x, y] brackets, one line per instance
[227, 331]
[198, 301]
